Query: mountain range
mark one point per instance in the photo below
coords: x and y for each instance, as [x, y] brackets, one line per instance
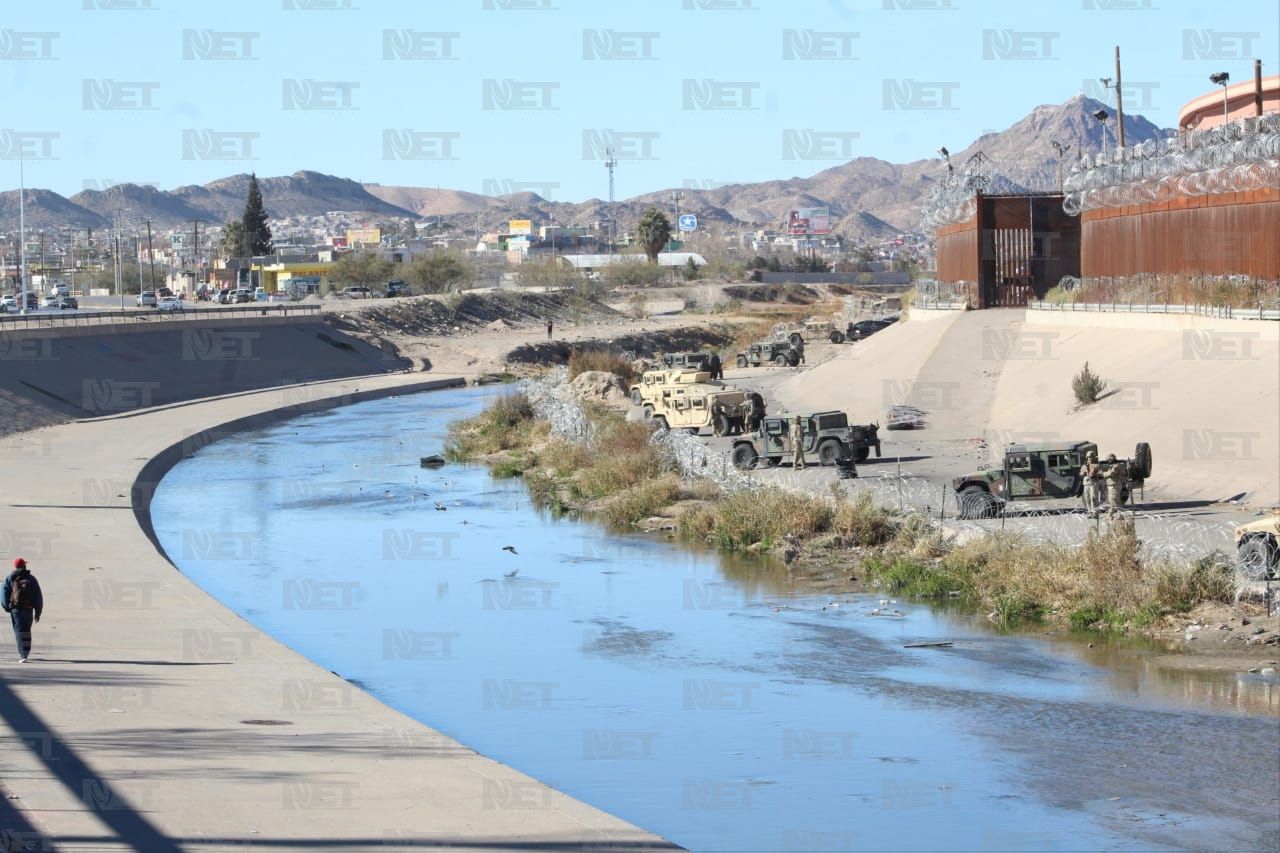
[868, 197]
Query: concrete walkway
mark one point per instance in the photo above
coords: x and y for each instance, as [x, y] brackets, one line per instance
[153, 718]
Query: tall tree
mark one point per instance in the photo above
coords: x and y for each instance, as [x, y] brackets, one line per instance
[257, 233]
[654, 230]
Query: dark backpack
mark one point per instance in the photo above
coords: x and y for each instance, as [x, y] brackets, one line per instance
[22, 595]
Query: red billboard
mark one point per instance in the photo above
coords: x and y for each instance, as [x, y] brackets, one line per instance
[809, 220]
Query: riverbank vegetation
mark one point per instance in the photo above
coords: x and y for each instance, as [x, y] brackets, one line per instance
[621, 477]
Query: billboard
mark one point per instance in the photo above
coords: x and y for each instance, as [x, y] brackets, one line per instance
[364, 236]
[520, 226]
[809, 220]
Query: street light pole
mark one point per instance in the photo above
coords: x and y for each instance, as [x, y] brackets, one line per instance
[22, 228]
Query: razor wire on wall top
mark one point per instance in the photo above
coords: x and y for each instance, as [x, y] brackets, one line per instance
[1240, 156]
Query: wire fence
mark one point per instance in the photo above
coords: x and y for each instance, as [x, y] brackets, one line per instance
[54, 320]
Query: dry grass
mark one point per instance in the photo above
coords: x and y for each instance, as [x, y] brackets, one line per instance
[507, 424]
[582, 361]
[642, 501]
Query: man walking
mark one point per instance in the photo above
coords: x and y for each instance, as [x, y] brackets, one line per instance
[548, 329]
[797, 445]
[1091, 483]
[24, 603]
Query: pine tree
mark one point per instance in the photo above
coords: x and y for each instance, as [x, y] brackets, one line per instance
[257, 233]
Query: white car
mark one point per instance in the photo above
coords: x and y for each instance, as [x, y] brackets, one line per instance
[169, 303]
[8, 302]
[147, 299]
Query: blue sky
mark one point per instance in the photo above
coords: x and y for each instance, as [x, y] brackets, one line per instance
[504, 95]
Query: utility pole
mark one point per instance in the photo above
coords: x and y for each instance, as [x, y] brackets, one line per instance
[151, 258]
[1119, 103]
[137, 255]
[610, 163]
[22, 227]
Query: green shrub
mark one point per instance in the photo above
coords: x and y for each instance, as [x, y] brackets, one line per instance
[1087, 386]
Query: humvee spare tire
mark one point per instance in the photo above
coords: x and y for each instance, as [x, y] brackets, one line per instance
[976, 502]
[795, 339]
[742, 361]
[744, 456]
[837, 337]
[636, 399]
[1141, 461]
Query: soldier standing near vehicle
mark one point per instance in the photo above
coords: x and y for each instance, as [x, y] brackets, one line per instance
[716, 368]
[1091, 483]
[799, 348]
[1116, 475]
[717, 418]
[797, 445]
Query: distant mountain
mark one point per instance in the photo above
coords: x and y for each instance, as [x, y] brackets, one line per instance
[868, 197]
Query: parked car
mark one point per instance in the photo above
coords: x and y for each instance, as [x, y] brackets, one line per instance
[162, 292]
[781, 353]
[147, 299]
[169, 303]
[355, 292]
[686, 360]
[865, 329]
[239, 295]
[828, 434]
[51, 302]
[69, 302]
[59, 289]
[396, 287]
[8, 301]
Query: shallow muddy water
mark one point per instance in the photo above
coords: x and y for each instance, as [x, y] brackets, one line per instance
[699, 697]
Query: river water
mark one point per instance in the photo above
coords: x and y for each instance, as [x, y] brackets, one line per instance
[699, 697]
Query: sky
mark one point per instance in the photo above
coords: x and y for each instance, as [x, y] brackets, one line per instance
[500, 96]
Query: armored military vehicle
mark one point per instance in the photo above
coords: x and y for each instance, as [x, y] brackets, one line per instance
[781, 353]
[686, 360]
[649, 388]
[828, 438]
[1042, 471]
[1258, 547]
[695, 406]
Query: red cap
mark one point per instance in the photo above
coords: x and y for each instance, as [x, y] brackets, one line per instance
[19, 563]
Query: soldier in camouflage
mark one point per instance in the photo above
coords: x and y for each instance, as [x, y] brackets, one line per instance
[1091, 483]
[1116, 475]
[797, 444]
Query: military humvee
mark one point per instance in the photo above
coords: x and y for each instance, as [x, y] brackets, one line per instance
[694, 406]
[1258, 547]
[781, 353]
[1042, 471]
[686, 360]
[828, 437]
[651, 383]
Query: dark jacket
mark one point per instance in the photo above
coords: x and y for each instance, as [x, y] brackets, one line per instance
[8, 591]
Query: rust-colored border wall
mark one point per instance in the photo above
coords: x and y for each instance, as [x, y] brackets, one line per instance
[1231, 233]
[958, 251]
